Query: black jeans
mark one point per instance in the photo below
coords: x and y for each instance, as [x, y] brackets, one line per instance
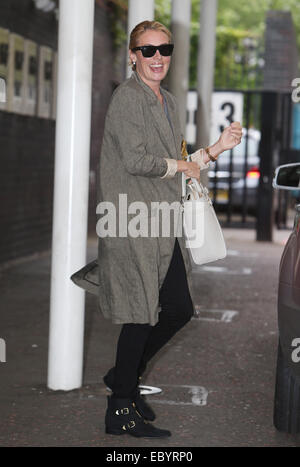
[138, 343]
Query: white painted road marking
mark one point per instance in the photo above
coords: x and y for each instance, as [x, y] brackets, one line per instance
[145, 390]
[223, 270]
[248, 254]
[2, 351]
[148, 390]
[198, 394]
[225, 316]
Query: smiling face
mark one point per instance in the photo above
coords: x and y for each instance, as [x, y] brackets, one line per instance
[152, 70]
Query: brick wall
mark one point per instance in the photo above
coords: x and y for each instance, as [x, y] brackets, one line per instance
[27, 143]
[26, 180]
[281, 55]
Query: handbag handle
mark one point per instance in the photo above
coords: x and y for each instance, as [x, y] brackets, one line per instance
[201, 190]
[195, 182]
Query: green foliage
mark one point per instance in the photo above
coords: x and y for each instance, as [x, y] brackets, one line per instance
[237, 65]
[117, 11]
[163, 12]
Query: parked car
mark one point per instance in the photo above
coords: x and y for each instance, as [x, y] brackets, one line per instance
[287, 386]
[240, 175]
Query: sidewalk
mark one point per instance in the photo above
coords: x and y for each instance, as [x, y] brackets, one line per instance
[217, 376]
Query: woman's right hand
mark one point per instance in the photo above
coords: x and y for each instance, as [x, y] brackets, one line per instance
[190, 169]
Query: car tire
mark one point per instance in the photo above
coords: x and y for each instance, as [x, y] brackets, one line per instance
[286, 415]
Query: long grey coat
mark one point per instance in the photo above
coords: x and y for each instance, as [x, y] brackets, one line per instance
[137, 138]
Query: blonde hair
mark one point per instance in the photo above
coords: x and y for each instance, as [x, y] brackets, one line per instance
[142, 27]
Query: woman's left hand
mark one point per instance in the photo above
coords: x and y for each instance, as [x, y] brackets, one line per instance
[231, 136]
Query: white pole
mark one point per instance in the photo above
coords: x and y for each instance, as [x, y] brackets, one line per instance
[2, 90]
[179, 70]
[70, 210]
[206, 68]
[138, 11]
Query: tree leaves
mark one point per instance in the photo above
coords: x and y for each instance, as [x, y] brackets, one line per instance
[237, 64]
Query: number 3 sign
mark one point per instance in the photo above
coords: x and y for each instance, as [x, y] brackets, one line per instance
[227, 107]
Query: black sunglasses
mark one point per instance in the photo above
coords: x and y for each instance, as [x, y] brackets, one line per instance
[150, 50]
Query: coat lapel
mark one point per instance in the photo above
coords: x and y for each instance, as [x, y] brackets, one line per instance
[173, 112]
[167, 134]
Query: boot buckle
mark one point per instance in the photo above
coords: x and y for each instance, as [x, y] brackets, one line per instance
[130, 425]
[124, 411]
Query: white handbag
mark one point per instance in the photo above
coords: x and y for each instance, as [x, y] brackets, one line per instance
[202, 231]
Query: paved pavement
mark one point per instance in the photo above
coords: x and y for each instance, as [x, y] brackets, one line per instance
[216, 375]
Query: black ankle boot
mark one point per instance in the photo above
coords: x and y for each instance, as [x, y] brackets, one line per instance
[122, 417]
[143, 408]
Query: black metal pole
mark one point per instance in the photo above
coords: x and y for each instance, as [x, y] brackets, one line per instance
[265, 212]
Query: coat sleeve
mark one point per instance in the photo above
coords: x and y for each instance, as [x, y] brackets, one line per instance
[127, 128]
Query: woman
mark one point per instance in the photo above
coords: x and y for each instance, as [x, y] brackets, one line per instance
[144, 279]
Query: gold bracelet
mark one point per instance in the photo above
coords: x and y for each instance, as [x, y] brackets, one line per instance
[213, 159]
